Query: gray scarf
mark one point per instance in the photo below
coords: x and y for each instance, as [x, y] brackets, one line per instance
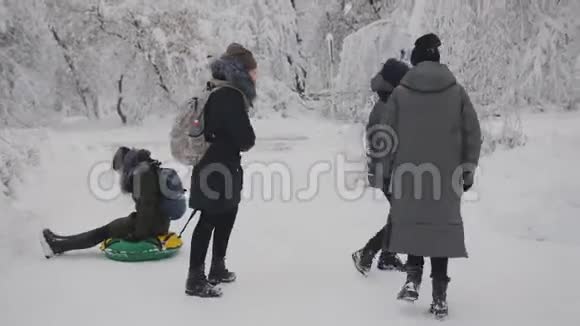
[234, 73]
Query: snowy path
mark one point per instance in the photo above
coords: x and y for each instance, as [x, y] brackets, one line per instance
[293, 258]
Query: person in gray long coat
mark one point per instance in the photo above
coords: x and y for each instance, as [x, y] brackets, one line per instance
[435, 141]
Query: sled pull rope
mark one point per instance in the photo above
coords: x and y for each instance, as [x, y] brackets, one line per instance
[187, 223]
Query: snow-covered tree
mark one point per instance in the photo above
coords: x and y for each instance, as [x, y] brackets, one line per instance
[29, 66]
[511, 55]
[132, 58]
[339, 18]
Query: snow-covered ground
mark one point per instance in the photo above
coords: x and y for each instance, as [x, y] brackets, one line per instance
[293, 257]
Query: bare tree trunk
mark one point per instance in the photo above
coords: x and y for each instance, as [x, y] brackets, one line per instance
[82, 89]
[120, 101]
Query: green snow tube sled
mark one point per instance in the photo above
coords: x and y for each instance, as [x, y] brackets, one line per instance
[162, 247]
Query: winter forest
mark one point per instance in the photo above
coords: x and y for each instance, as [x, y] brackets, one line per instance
[126, 63]
[132, 59]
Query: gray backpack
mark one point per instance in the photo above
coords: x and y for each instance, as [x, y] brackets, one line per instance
[187, 140]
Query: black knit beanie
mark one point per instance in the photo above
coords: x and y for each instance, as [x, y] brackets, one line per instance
[242, 55]
[393, 71]
[426, 49]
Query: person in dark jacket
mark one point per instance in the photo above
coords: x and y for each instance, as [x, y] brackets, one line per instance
[216, 182]
[139, 178]
[439, 143]
[383, 84]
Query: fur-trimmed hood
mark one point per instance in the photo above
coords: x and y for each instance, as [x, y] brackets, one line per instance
[234, 73]
[379, 84]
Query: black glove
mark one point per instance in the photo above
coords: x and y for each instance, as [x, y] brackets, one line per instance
[467, 180]
[389, 196]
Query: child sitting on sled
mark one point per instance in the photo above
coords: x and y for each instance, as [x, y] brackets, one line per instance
[140, 177]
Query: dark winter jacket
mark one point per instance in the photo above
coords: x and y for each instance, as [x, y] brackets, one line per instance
[437, 137]
[139, 178]
[383, 84]
[216, 182]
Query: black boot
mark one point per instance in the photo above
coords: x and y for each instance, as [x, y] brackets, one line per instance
[53, 244]
[410, 291]
[198, 286]
[389, 261]
[439, 306]
[56, 236]
[48, 242]
[363, 260]
[218, 272]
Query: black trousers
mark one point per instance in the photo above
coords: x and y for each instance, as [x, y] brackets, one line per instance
[438, 266]
[221, 225]
[382, 238]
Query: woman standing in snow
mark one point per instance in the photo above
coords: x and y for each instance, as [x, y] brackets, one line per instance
[136, 168]
[383, 84]
[216, 181]
[439, 142]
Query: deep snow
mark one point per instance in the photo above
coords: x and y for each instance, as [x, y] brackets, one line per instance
[293, 258]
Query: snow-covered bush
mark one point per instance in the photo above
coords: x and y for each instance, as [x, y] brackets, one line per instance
[340, 18]
[29, 66]
[363, 54]
[365, 51]
[17, 153]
